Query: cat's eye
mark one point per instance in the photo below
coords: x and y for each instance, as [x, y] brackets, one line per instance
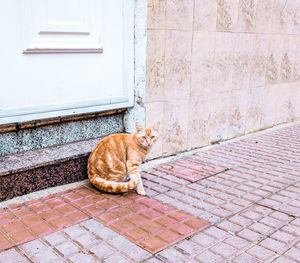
[152, 137]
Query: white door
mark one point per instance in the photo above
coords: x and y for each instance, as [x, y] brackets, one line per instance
[63, 57]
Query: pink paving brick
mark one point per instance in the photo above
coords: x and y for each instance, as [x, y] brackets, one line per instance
[122, 211]
[162, 208]
[121, 225]
[41, 229]
[182, 229]
[50, 214]
[179, 216]
[169, 224]
[24, 222]
[151, 214]
[39, 207]
[166, 221]
[108, 204]
[169, 236]
[32, 220]
[77, 217]
[93, 210]
[196, 223]
[55, 202]
[13, 226]
[152, 227]
[59, 223]
[136, 234]
[123, 200]
[22, 236]
[137, 219]
[73, 197]
[153, 243]
[6, 218]
[4, 242]
[108, 217]
[82, 203]
[96, 198]
[136, 207]
[65, 209]
[190, 169]
[21, 211]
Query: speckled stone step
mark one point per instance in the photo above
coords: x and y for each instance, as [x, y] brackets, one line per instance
[31, 171]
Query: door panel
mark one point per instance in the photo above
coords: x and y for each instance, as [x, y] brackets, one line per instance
[62, 57]
[61, 26]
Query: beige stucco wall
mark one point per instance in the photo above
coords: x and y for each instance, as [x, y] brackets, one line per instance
[218, 69]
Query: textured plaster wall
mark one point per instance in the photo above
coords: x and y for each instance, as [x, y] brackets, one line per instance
[217, 69]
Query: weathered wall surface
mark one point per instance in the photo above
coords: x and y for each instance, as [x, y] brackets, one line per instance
[138, 112]
[217, 69]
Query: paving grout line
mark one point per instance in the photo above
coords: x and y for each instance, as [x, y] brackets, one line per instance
[272, 193]
[256, 202]
[41, 238]
[197, 181]
[28, 228]
[21, 252]
[41, 193]
[247, 207]
[273, 209]
[79, 245]
[160, 160]
[253, 203]
[66, 200]
[252, 244]
[227, 169]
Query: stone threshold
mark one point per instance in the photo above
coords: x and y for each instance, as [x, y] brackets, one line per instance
[30, 171]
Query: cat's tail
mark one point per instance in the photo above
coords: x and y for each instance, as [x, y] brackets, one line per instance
[112, 186]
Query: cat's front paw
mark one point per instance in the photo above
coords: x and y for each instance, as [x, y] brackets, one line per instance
[141, 192]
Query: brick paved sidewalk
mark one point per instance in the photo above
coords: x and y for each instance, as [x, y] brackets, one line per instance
[235, 202]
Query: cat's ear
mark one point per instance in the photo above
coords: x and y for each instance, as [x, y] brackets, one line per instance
[156, 126]
[138, 127]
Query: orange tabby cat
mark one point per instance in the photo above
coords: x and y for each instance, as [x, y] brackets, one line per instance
[119, 155]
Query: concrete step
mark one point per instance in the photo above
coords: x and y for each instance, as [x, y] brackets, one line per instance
[30, 171]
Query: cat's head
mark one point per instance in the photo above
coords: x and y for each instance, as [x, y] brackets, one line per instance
[147, 136]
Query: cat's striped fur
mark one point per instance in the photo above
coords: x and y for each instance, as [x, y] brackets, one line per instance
[119, 155]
